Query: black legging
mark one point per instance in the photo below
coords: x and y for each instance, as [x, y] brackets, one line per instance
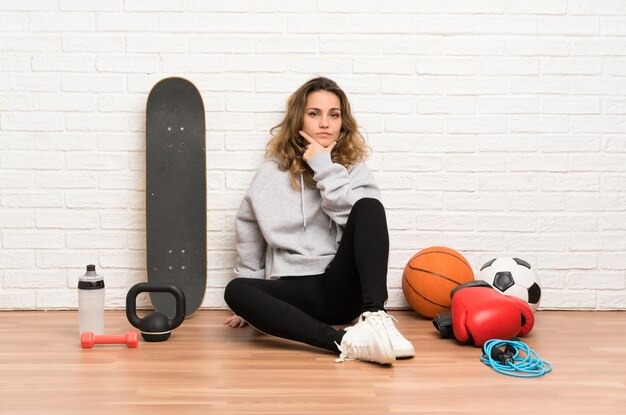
[303, 308]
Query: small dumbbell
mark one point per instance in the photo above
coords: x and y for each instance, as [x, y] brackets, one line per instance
[88, 339]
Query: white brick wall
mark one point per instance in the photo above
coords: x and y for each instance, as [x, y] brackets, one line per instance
[498, 128]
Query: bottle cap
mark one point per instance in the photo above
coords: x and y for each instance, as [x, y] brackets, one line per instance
[91, 280]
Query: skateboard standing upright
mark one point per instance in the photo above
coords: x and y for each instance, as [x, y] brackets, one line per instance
[176, 193]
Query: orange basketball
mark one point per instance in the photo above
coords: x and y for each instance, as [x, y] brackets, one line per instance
[430, 275]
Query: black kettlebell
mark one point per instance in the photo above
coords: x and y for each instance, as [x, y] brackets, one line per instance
[155, 327]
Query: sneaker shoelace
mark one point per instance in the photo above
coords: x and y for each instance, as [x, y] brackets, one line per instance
[385, 321]
[360, 349]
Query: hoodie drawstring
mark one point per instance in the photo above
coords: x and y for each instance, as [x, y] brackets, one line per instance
[302, 200]
[330, 220]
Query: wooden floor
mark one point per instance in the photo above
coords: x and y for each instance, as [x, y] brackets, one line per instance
[207, 368]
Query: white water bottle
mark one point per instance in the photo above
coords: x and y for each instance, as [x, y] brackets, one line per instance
[91, 301]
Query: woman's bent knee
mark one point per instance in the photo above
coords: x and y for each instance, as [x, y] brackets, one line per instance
[233, 291]
[369, 207]
[368, 203]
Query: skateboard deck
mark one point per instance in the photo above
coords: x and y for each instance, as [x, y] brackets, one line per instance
[176, 193]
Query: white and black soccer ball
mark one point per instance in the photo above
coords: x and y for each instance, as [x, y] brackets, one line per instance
[513, 276]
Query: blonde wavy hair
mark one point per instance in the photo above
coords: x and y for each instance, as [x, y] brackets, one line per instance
[287, 146]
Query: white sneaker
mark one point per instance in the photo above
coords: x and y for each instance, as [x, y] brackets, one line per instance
[363, 343]
[381, 321]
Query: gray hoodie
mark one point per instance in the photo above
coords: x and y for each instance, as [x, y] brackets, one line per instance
[282, 231]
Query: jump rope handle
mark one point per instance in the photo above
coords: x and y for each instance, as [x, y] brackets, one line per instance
[517, 359]
[500, 356]
[505, 357]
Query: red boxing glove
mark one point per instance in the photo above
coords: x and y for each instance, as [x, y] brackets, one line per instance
[480, 313]
[528, 318]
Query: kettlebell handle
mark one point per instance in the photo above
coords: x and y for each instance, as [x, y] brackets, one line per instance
[135, 290]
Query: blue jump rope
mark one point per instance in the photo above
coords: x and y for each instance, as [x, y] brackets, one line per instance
[517, 359]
